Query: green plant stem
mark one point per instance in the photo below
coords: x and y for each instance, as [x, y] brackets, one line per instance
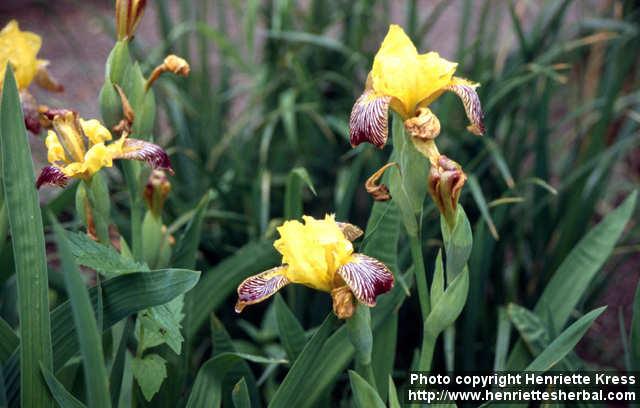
[429, 339]
[100, 220]
[415, 243]
[131, 173]
[367, 374]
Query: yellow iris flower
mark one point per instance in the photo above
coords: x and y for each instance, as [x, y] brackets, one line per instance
[78, 148]
[319, 254]
[19, 48]
[406, 81]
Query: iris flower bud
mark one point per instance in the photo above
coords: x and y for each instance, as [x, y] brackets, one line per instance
[446, 180]
[128, 16]
[156, 191]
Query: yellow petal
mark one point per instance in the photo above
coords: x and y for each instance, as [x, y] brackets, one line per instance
[95, 132]
[19, 48]
[434, 74]
[313, 251]
[400, 72]
[75, 169]
[96, 158]
[66, 126]
[117, 148]
[397, 44]
[55, 151]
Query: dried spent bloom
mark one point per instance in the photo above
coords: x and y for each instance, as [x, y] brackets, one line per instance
[405, 81]
[378, 191]
[320, 255]
[128, 16]
[78, 148]
[425, 125]
[172, 63]
[446, 180]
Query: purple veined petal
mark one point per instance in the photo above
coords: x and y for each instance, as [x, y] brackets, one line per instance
[369, 121]
[154, 155]
[367, 278]
[52, 175]
[259, 287]
[467, 93]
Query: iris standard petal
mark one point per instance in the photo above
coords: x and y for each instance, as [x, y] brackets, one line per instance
[369, 119]
[95, 131]
[55, 151]
[366, 277]
[259, 287]
[400, 72]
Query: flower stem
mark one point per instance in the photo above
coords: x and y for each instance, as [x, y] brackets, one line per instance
[428, 346]
[428, 341]
[421, 279]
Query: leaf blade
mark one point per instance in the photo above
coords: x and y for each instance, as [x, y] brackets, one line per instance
[90, 341]
[25, 224]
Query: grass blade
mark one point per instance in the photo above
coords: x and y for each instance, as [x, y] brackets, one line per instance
[240, 395]
[8, 341]
[63, 397]
[364, 395]
[89, 339]
[3, 391]
[481, 202]
[288, 390]
[222, 343]
[385, 338]
[207, 390]
[293, 192]
[25, 224]
[564, 343]
[502, 340]
[290, 330]
[118, 366]
[393, 395]
[634, 340]
[187, 247]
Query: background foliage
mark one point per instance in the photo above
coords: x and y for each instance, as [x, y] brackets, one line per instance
[259, 129]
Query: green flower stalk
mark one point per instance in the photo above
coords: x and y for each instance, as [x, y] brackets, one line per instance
[407, 82]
